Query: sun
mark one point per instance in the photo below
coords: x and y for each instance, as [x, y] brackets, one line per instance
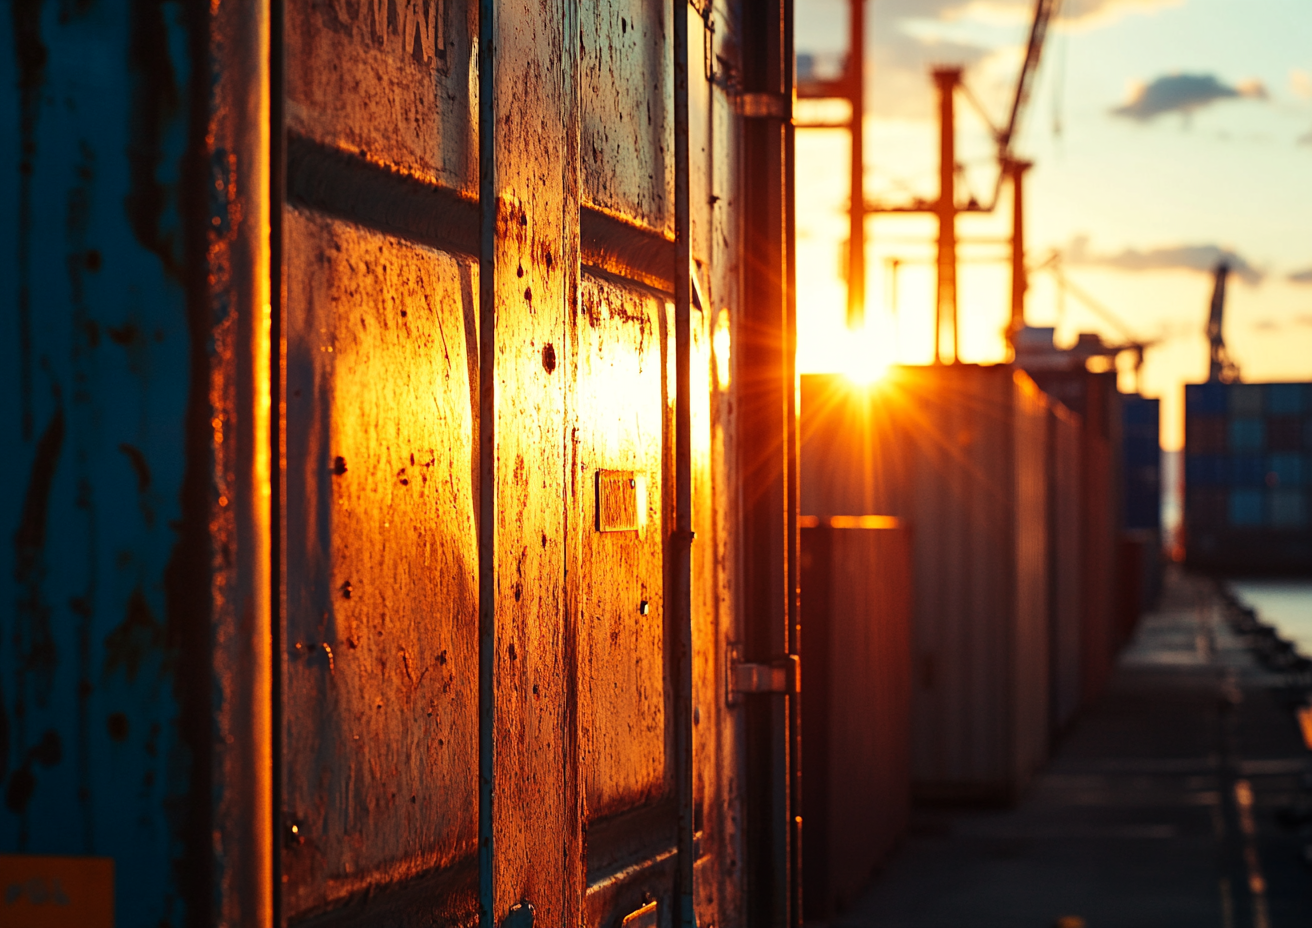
[866, 371]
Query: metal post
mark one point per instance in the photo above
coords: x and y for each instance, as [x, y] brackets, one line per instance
[765, 460]
[856, 242]
[946, 81]
[792, 533]
[487, 411]
[681, 542]
[1019, 282]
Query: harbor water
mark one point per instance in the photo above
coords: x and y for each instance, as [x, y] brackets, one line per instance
[1286, 604]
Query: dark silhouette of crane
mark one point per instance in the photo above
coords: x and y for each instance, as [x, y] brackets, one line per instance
[1223, 368]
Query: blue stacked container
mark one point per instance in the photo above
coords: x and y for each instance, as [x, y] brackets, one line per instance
[1247, 475]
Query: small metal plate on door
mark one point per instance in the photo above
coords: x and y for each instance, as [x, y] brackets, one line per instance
[644, 917]
[620, 500]
[57, 892]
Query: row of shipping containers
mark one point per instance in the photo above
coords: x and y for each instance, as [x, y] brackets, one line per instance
[1247, 477]
[1011, 503]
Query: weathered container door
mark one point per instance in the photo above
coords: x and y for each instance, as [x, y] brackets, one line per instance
[397, 467]
[380, 379]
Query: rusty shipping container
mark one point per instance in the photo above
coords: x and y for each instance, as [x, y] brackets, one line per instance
[960, 454]
[1065, 564]
[398, 398]
[856, 638]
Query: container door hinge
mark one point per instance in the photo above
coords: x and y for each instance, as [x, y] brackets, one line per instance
[783, 675]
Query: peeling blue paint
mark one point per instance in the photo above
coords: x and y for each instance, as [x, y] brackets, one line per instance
[96, 368]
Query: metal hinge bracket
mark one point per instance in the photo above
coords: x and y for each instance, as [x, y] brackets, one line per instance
[783, 675]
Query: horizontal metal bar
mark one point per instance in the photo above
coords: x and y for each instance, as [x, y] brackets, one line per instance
[625, 874]
[626, 250]
[349, 187]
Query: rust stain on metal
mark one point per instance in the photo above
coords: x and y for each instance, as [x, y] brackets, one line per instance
[389, 81]
[622, 434]
[389, 707]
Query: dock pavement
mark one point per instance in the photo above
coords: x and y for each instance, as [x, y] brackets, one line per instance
[1181, 797]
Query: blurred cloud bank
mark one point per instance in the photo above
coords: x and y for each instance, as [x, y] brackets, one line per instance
[1183, 93]
[1171, 257]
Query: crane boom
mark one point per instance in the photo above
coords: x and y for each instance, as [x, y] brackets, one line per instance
[1043, 10]
[1222, 368]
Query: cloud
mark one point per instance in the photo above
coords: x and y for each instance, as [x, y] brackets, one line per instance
[1175, 257]
[1183, 93]
[1301, 277]
[1300, 83]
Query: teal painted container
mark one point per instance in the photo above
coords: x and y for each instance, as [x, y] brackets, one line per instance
[134, 595]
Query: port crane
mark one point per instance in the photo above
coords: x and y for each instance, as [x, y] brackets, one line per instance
[1223, 369]
[1131, 343]
[947, 80]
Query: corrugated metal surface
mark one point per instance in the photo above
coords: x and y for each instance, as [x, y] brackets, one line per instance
[1066, 576]
[960, 453]
[856, 638]
[335, 780]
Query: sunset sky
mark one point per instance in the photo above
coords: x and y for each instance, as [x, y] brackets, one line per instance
[1163, 134]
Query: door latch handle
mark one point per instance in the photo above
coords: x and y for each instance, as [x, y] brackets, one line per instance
[783, 675]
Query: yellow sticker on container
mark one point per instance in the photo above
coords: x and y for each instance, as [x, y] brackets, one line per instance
[56, 892]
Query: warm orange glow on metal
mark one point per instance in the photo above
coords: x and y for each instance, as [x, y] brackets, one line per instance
[850, 522]
[720, 345]
[645, 917]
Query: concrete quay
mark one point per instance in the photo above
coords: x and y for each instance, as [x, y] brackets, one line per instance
[1174, 801]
